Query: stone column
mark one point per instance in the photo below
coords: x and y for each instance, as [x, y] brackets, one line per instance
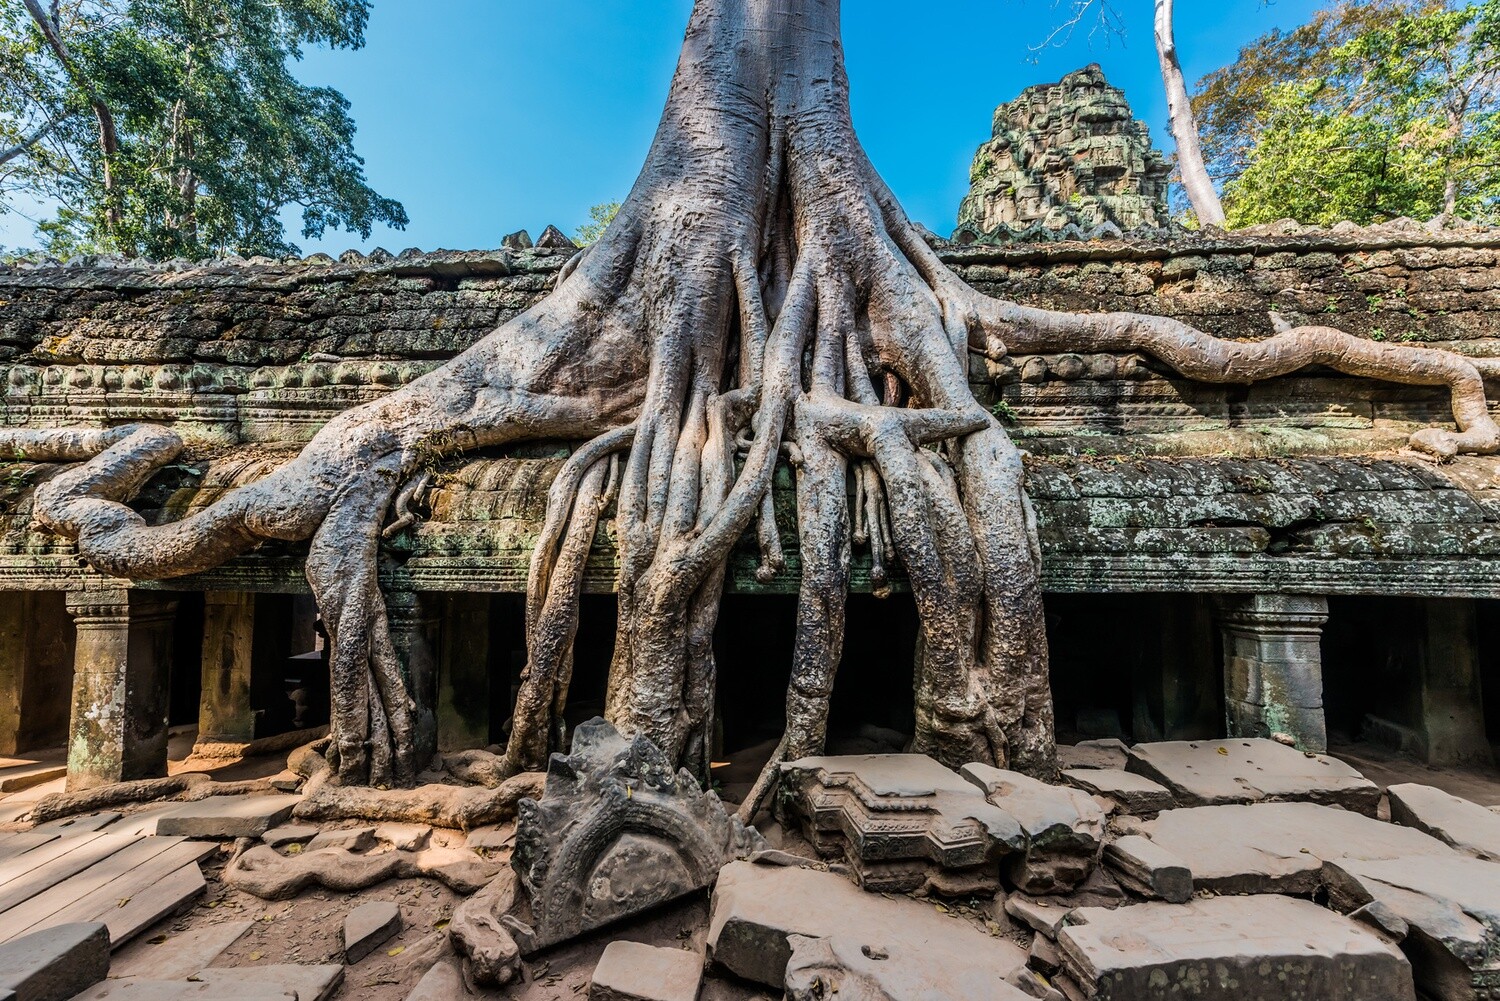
[121, 671]
[225, 712]
[1273, 667]
[1451, 703]
[463, 707]
[414, 631]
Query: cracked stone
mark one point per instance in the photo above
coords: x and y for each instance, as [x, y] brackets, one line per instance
[1063, 828]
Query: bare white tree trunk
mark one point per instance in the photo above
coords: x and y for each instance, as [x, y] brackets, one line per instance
[1200, 189]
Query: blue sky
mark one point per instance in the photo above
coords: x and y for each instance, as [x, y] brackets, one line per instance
[487, 116]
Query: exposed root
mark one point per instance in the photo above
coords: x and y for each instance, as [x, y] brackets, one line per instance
[264, 872]
[456, 807]
[188, 787]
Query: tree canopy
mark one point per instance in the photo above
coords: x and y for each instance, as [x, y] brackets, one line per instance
[176, 128]
[1370, 111]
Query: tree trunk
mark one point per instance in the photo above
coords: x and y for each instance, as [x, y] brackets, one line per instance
[1200, 189]
[109, 140]
[759, 294]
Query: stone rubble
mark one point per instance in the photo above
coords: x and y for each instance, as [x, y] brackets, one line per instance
[1143, 866]
[1063, 829]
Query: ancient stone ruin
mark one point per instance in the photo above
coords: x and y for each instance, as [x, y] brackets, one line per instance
[1066, 153]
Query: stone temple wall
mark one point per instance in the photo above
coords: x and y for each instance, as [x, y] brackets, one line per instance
[1142, 481]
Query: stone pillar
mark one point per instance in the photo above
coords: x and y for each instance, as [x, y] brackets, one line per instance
[225, 713]
[1450, 700]
[463, 707]
[1273, 667]
[414, 631]
[121, 672]
[36, 670]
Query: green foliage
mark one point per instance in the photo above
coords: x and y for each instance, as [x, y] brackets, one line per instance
[600, 216]
[216, 136]
[1372, 110]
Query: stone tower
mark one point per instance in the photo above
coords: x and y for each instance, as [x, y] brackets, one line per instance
[1067, 152]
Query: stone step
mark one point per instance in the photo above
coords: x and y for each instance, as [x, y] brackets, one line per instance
[56, 963]
[1134, 794]
[1216, 772]
[1466, 826]
[179, 956]
[225, 818]
[1142, 865]
[307, 983]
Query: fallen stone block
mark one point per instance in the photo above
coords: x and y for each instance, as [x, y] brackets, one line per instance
[289, 834]
[843, 967]
[1038, 914]
[1135, 794]
[1465, 825]
[1230, 949]
[1063, 829]
[55, 963]
[368, 927]
[1277, 847]
[757, 909]
[404, 837]
[1214, 772]
[223, 818]
[618, 831]
[1446, 911]
[1108, 753]
[1031, 984]
[179, 956]
[902, 822]
[307, 983]
[1149, 869]
[443, 982]
[350, 839]
[632, 971]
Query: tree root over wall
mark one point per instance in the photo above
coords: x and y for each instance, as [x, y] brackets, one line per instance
[760, 295]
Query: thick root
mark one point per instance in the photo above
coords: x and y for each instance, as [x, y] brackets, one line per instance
[263, 872]
[479, 934]
[183, 788]
[456, 807]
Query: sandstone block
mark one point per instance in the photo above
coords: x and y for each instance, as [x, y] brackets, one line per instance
[180, 956]
[368, 927]
[289, 834]
[1467, 826]
[632, 971]
[351, 839]
[1107, 753]
[1063, 829]
[305, 982]
[757, 909]
[1277, 847]
[1134, 793]
[56, 963]
[902, 822]
[226, 817]
[1230, 949]
[1214, 772]
[1149, 869]
[839, 966]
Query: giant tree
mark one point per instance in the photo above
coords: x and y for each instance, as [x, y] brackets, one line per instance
[760, 295]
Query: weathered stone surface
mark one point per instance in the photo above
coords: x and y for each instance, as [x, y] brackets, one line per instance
[56, 963]
[404, 837]
[1277, 847]
[368, 927]
[225, 817]
[307, 982]
[1134, 793]
[1107, 753]
[1063, 829]
[1447, 910]
[180, 956]
[1465, 825]
[617, 832]
[902, 822]
[351, 839]
[1067, 152]
[633, 971]
[1213, 772]
[138, 989]
[1149, 869]
[1230, 948]
[444, 982]
[289, 834]
[758, 908]
[1037, 913]
[850, 969]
